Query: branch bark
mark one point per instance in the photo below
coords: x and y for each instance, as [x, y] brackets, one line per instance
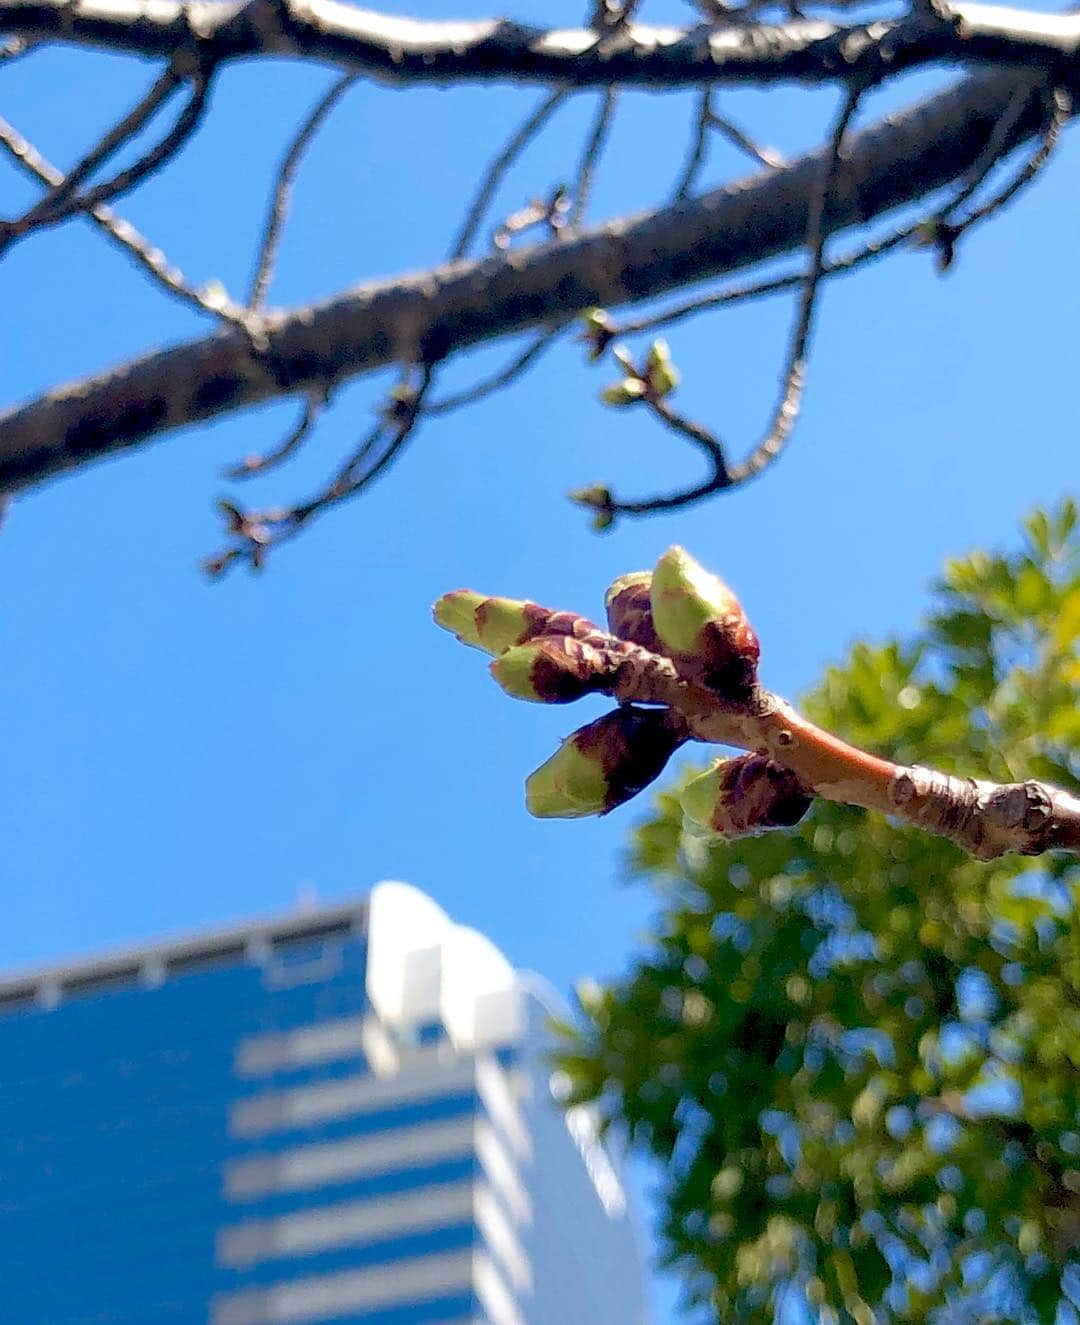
[986, 819]
[437, 313]
[404, 50]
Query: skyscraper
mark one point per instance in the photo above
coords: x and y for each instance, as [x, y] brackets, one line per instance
[344, 1115]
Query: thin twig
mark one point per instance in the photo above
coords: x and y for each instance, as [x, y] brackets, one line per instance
[51, 206]
[1061, 111]
[152, 260]
[257, 532]
[810, 280]
[489, 385]
[495, 172]
[125, 179]
[259, 464]
[698, 147]
[764, 156]
[794, 379]
[279, 205]
[590, 156]
[722, 475]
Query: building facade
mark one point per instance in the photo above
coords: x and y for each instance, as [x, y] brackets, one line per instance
[345, 1115]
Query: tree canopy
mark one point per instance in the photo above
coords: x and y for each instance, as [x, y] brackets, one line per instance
[854, 1048]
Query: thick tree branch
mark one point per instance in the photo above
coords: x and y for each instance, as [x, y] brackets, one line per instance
[437, 313]
[411, 50]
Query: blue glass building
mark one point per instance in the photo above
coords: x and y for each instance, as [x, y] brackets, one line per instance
[344, 1116]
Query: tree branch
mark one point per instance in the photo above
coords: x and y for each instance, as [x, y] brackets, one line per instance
[679, 639]
[437, 313]
[404, 50]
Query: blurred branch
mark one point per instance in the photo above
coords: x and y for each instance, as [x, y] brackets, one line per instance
[407, 50]
[889, 164]
[212, 299]
[63, 201]
[282, 195]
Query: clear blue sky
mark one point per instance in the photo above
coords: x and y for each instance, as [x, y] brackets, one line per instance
[180, 754]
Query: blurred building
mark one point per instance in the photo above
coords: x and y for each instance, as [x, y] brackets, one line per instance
[344, 1115]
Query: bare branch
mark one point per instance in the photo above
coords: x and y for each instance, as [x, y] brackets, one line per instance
[71, 204]
[279, 204]
[699, 141]
[722, 474]
[787, 409]
[503, 378]
[211, 299]
[259, 464]
[889, 164]
[409, 50]
[590, 156]
[256, 532]
[495, 173]
[53, 206]
[764, 156]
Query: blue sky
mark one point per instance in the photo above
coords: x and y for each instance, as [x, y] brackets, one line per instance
[180, 753]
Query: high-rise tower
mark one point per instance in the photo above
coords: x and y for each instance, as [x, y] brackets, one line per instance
[345, 1115]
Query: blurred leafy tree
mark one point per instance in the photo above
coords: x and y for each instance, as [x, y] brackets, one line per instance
[855, 1049]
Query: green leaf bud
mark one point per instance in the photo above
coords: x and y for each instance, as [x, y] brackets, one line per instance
[491, 624]
[702, 626]
[627, 392]
[497, 624]
[660, 373]
[604, 764]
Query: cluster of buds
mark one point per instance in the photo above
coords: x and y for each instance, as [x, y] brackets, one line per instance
[678, 612]
[657, 379]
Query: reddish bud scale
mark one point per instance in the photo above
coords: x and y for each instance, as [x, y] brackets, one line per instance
[553, 669]
[544, 621]
[751, 793]
[629, 614]
[630, 746]
[727, 660]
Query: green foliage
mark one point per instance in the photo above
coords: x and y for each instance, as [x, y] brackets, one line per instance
[856, 1050]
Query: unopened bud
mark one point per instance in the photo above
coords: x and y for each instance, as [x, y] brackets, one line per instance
[627, 392]
[629, 610]
[599, 332]
[660, 373]
[497, 624]
[702, 626]
[604, 764]
[744, 795]
[555, 669]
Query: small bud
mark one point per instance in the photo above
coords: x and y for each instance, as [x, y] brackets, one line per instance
[603, 764]
[941, 236]
[702, 626]
[602, 521]
[660, 373]
[598, 332]
[554, 669]
[745, 795]
[497, 624]
[214, 295]
[629, 610]
[627, 392]
[491, 624]
[597, 498]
